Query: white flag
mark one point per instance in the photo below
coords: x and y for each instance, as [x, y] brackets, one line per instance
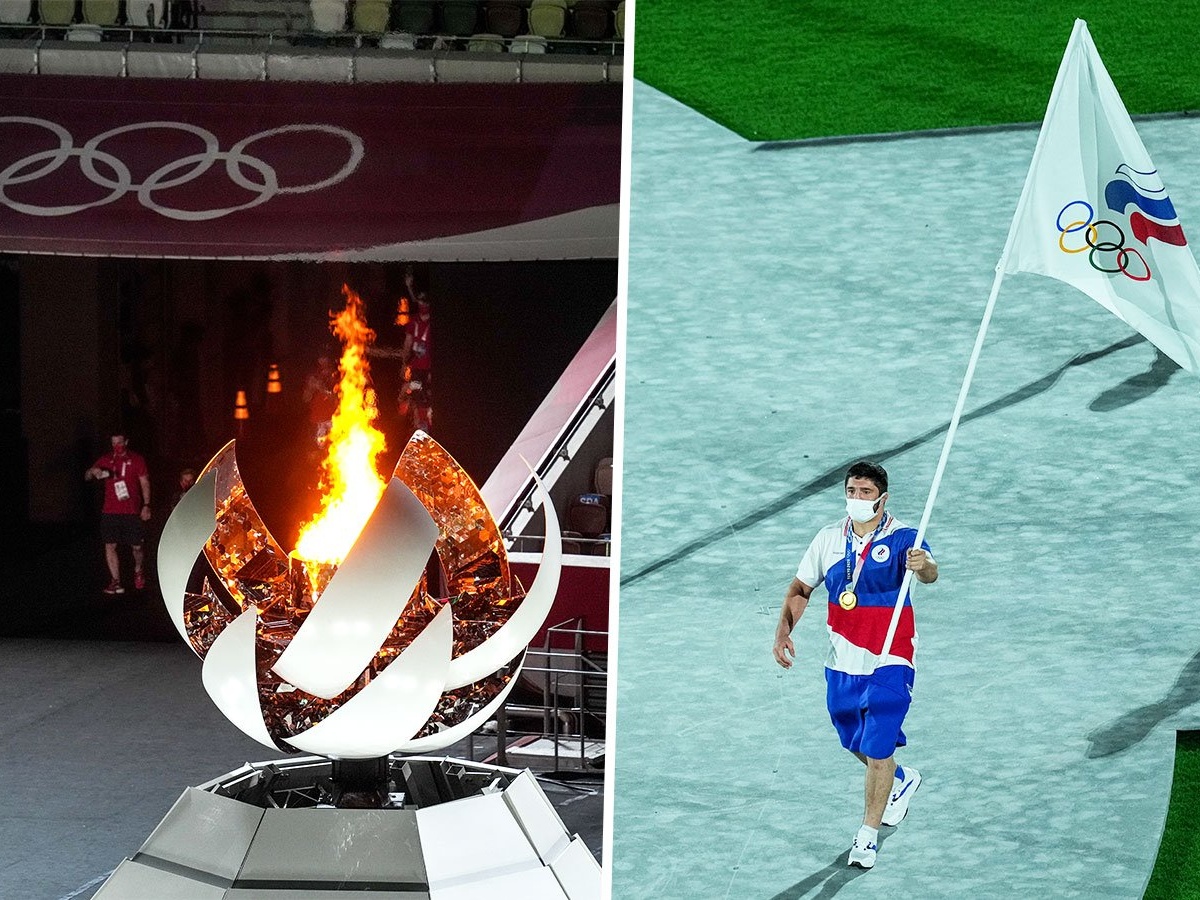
[1095, 214]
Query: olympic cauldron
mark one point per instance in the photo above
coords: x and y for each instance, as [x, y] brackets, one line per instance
[355, 660]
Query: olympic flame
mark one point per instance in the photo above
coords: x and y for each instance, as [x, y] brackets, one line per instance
[350, 485]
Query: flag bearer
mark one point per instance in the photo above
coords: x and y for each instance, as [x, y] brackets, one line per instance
[862, 560]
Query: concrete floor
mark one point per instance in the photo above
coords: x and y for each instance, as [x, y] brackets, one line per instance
[792, 309]
[99, 738]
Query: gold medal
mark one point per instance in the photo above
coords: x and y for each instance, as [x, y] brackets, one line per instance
[847, 600]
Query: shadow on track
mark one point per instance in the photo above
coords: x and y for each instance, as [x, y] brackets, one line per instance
[831, 879]
[1131, 728]
[1137, 387]
[833, 476]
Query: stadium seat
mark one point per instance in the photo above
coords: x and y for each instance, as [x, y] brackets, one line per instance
[605, 547]
[486, 43]
[398, 40]
[527, 43]
[56, 12]
[619, 20]
[571, 542]
[415, 17]
[16, 13]
[101, 12]
[504, 18]
[589, 514]
[87, 33]
[144, 13]
[328, 15]
[603, 476]
[548, 18]
[371, 16]
[590, 19]
[460, 17]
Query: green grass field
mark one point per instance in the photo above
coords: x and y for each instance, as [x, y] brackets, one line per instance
[778, 69]
[781, 70]
[1177, 871]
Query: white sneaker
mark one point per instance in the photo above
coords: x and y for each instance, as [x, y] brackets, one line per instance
[862, 852]
[902, 794]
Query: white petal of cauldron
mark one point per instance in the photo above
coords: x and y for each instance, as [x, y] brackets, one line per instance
[455, 733]
[393, 706]
[515, 635]
[231, 678]
[183, 538]
[359, 607]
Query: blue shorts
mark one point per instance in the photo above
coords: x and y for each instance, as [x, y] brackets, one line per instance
[868, 710]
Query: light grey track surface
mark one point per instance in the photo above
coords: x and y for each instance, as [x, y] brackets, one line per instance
[793, 310]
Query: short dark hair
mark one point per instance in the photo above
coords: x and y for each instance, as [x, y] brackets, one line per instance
[866, 469]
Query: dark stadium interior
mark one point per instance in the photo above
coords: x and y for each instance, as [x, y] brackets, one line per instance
[159, 348]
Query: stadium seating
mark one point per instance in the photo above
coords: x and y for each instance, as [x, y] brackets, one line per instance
[589, 515]
[527, 43]
[486, 43]
[101, 12]
[548, 18]
[371, 16]
[16, 13]
[56, 12]
[590, 19]
[460, 17]
[571, 543]
[398, 40]
[328, 15]
[603, 477]
[415, 17]
[504, 18]
[144, 13]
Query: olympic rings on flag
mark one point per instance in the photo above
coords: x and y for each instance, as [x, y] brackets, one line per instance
[1094, 245]
[105, 170]
[1122, 264]
[1075, 226]
[1090, 238]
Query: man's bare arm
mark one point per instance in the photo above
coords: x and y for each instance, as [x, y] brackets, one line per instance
[144, 481]
[794, 604]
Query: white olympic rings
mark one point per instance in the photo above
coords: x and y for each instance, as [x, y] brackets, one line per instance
[119, 180]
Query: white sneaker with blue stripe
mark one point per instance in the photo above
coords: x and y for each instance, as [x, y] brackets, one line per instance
[862, 851]
[901, 796]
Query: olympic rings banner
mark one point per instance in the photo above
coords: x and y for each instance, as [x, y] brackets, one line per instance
[218, 169]
[1096, 214]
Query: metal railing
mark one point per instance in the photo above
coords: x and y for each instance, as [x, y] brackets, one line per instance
[533, 543]
[574, 684]
[442, 52]
[307, 37]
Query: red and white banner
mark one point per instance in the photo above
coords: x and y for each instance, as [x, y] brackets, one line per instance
[143, 167]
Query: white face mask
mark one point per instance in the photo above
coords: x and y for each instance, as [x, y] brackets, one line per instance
[861, 510]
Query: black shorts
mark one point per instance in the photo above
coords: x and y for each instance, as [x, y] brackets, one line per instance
[120, 528]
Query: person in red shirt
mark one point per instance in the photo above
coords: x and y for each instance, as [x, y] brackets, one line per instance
[418, 347]
[126, 506]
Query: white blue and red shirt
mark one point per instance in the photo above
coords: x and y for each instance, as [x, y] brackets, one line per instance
[857, 635]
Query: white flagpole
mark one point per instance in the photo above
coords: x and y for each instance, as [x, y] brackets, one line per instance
[1080, 26]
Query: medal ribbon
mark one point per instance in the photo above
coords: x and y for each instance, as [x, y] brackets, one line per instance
[853, 570]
